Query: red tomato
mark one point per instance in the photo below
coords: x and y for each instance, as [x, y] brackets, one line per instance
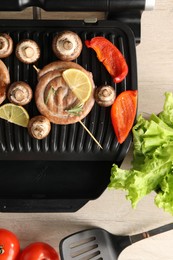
[9, 245]
[39, 251]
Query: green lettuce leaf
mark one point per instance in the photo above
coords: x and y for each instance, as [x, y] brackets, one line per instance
[137, 183]
[164, 197]
[167, 114]
[152, 165]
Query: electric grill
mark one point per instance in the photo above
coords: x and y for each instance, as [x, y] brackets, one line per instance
[67, 169]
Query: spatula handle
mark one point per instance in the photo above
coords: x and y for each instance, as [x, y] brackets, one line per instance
[150, 233]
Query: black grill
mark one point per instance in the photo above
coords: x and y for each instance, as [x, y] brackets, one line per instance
[72, 164]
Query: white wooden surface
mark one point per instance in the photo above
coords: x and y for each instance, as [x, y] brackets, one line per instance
[111, 210]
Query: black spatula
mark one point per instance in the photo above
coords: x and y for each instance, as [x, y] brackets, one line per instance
[99, 244]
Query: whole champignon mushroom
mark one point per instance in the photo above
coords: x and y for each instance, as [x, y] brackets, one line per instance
[27, 51]
[67, 45]
[6, 45]
[105, 95]
[19, 93]
[39, 127]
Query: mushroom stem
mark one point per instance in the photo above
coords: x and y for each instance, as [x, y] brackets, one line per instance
[28, 52]
[105, 93]
[18, 94]
[88, 131]
[67, 45]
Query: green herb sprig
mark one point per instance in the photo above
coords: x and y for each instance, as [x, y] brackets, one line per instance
[76, 110]
[51, 91]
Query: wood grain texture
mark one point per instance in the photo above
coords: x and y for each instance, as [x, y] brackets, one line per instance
[111, 210]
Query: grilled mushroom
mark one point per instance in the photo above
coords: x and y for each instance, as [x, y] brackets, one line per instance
[105, 95]
[6, 45]
[4, 80]
[67, 45]
[39, 127]
[27, 51]
[19, 93]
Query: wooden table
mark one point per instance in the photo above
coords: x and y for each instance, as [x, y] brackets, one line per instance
[111, 210]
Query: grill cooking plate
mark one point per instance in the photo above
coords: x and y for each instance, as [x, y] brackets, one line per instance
[65, 170]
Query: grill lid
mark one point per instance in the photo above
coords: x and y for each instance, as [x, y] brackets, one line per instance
[77, 5]
[126, 11]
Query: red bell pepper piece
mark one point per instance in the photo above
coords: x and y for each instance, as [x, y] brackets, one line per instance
[110, 56]
[123, 112]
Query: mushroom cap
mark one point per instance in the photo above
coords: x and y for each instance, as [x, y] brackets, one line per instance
[105, 95]
[67, 45]
[4, 81]
[39, 127]
[27, 51]
[6, 45]
[54, 98]
[19, 93]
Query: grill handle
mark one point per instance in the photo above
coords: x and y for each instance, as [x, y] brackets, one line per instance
[78, 5]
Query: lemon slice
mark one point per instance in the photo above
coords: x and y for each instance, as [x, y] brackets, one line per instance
[79, 83]
[14, 114]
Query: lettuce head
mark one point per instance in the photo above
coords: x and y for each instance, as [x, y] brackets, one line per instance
[152, 164]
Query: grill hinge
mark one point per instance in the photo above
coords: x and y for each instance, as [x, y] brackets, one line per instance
[36, 11]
